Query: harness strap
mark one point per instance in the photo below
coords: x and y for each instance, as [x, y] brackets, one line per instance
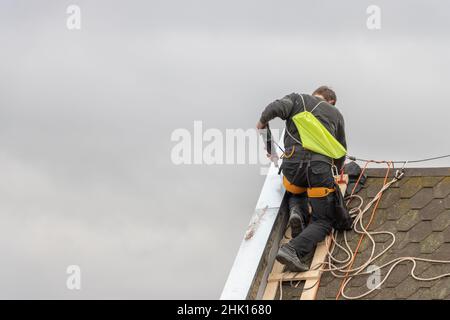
[316, 192]
[292, 188]
[319, 192]
[304, 104]
[316, 106]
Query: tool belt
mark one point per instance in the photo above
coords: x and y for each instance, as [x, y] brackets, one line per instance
[317, 192]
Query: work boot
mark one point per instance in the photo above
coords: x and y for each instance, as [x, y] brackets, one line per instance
[296, 221]
[307, 258]
[288, 256]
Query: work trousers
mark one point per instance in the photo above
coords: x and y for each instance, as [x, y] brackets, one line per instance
[319, 223]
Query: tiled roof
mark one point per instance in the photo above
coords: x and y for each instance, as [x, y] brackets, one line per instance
[417, 210]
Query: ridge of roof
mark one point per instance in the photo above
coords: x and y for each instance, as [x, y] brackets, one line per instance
[411, 172]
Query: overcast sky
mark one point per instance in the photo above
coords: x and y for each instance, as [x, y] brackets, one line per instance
[86, 117]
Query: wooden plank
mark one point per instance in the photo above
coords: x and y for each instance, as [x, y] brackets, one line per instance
[295, 276]
[319, 256]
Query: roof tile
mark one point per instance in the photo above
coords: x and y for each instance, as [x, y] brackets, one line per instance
[384, 293]
[432, 210]
[422, 294]
[401, 240]
[441, 289]
[326, 279]
[407, 221]
[382, 239]
[443, 252]
[442, 189]
[398, 209]
[406, 288]
[389, 198]
[442, 221]
[410, 187]
[446, 234]
[421, 267]
[447, 202]
[401, 182]
[381, 217]
[332, 288]
[435, 270]
[358, 281]
[420, 231]
[432, 242]
[422, 198]
[398, 275]
[411, 249]
[431, 181]
[373, 186]
[365, 244]
[425, 181]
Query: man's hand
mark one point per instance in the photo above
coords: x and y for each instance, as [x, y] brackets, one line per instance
[261, 125]
[274, 158]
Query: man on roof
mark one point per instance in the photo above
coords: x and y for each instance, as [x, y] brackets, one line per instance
[312, 123]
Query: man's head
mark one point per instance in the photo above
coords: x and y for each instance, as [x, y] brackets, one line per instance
[326, 93]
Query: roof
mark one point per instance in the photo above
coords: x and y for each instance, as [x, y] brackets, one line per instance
[417, 210]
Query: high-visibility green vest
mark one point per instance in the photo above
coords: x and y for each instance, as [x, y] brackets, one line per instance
[314, 136]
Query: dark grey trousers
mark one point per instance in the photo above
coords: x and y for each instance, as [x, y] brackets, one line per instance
[320, 222]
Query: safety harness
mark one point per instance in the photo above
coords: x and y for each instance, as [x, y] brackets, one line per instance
[314, 137]
[316, 192]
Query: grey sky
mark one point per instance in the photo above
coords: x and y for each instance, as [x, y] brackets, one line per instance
[86, 118]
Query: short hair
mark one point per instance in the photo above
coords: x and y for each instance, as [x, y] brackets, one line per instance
[326, 92]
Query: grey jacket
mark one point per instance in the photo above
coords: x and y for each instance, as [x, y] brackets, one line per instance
[292, 104]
